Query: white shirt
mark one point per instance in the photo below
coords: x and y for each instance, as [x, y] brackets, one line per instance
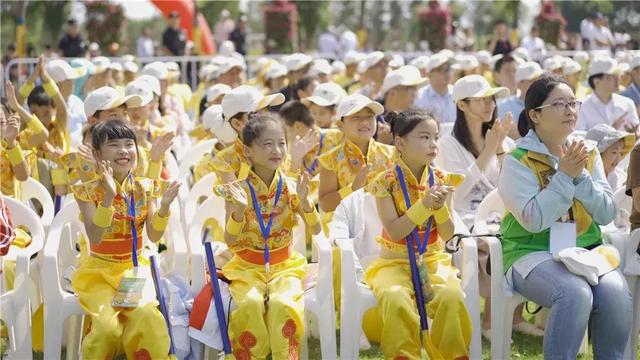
[594, 111]
[587, 29]
[348, 41]
[145, 46]
[602, 34]
[356, 218]
[76, 119]
[535, 47]
[328, 44]
[453, 157]
[442, 106]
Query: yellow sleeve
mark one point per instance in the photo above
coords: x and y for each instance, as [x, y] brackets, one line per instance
[223, 191]
[381, 185]
[86, 191]
[220, 163]
[326, 161]
[154, 188]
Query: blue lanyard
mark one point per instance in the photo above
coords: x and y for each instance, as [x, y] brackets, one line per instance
[422, 243]
[314, 164]
[265, 229]
[134, 231]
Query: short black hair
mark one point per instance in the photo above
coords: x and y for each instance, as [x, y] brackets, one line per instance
[295, 111]
[402, 123]
[591, 79]
[536, 95]
[301, 85]
[111, 130]
[503, 60]
[257, 124]
[39, 97]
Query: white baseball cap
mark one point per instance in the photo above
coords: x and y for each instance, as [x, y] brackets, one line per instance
[352, 57]
[624, 67]
[128, 57]
[528, 71]
[437, 60]
[320, 67]
[484, 57]
[173, 69]
[115, 66]
[130, 66]
[571, 67]
[156, 69]
[521, 53]
[60, 70]
[604, 65]
[230, 63]
[140, 88]
[204, 71]
[635, 62]
[247, 98]
[217, 90]
[468, 62]
[101, 63]
[275, 71]
[446, 52]
[154, 83]
[581, 56]
[420, 62]
[371, 59]
[351, 104]
[396, 61]
[297, 61]
[338, 67]
[106, 98]
[552, 63]
[405, 76]
[476, 86]
[213, 120]
[214, 72]
[326, 94]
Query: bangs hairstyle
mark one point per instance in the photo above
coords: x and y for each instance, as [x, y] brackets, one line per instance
[295, 111]
[461, 129]
[39, 97]
[111, 130]
[257, 124]
[536, 95]
[302, 84]
[402, 123]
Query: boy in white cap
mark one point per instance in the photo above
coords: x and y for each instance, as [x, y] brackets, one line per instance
[400, 87]
[322, 103]
[101, 75]
[437, 96]
[321, 69]
[231, 164]
[350, 60]
[604, 106]
[213, 96]
[298, 66]
[372, 74]
[633, 91]
[275, 78]
[106, 103]
[231, 72]
[526, 74]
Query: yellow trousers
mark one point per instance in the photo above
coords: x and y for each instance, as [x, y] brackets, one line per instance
[395, 322]
[141, 331]
[258, 327]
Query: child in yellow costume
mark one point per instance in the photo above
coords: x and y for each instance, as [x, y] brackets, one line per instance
[265, 272]
[105, 210]
[395, 322]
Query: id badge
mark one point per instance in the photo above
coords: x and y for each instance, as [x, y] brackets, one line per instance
[135, 289]
[563, 235]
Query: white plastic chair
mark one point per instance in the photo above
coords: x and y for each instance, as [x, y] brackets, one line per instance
[360, 298]
[32, 189]
[203, 188]
[15, 305]
[172, 166]
[318, 300]
[446, 128]
[634, 288]
[580, 134]
[190, 158]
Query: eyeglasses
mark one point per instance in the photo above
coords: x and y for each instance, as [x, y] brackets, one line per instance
[573, 105]
[485, 100]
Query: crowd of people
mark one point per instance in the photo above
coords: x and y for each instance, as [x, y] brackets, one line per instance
[345, 145]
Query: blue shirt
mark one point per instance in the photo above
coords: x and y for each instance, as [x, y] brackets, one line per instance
[513, 104]
[442, 106]
[633, 93]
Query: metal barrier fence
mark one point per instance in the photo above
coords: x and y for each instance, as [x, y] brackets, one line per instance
[188, 64]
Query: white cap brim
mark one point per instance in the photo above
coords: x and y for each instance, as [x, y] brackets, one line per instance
[318, 100]
[374, 106]
[270, 100]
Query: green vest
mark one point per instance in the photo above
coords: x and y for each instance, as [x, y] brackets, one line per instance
[517, 241]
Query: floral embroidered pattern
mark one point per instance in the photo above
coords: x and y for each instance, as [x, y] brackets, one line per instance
[289, 332]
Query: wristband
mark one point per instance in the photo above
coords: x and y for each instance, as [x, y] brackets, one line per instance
[103, 216]
[234, 227]
[26, 89]
[155, 167]
[311, 218]
[59, 177]
[50, 88]
[35, 125]
[15, 155]
[442, 215]
[345, 191]
[158, 222]
[418, 213]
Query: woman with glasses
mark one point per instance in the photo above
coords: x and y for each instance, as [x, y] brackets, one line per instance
[556, 195]
[475, 149]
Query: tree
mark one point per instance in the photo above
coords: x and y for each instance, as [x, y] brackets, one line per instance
[45, 21]
[312, 16]
[105, 22]
[212, 9]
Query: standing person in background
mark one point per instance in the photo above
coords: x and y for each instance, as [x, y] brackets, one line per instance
[145, 43]
[534, 44]
[239, 35]
[500, 43]
[174, 39]
[328, 44]
[437, 96]
[602, 37]
[6, 58]
[224, 27]
[71, 44]
[633, 91]
[504, 73]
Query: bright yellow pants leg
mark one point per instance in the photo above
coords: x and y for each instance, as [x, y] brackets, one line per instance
[395, 322]
[257, 330]
[141, 332]
[336, 263]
